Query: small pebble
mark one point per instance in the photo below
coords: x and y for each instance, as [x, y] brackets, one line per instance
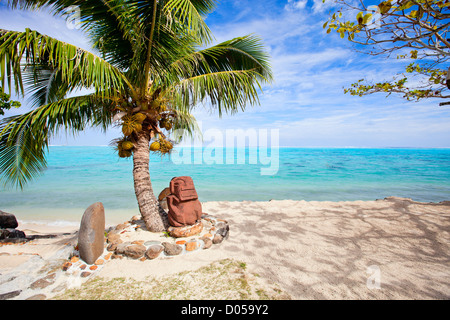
[99, 262]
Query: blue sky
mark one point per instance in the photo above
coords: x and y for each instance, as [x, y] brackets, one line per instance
[306, 102]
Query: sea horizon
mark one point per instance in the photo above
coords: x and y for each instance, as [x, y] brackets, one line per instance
[299, 147]
[78, 176]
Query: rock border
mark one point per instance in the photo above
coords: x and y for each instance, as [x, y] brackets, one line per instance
[214, 232]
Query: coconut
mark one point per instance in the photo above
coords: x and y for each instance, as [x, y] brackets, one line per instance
[166, 146]
[125, 153]
[137, 127]
[127, 145]
[140, 117]
[155, 146]
[127, 130]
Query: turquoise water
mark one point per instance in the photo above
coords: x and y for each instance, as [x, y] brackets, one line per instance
[79, 176]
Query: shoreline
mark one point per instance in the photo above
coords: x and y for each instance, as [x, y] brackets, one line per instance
[392, 248]
[47, 225]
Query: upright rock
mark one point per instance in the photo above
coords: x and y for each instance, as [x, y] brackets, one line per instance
[91, 236]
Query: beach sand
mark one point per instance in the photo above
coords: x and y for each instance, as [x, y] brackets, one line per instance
[393, 248]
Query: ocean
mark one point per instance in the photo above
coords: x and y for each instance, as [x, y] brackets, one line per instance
[76, 177]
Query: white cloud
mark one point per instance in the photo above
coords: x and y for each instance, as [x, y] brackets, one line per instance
[295, 5]
[320, 6]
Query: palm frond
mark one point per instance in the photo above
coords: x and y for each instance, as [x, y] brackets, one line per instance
[228, 91]
[74, 64]
[243, 53]
[191, 14]
[185, 124]
[22, 155]
[24, 138]
[43, 84]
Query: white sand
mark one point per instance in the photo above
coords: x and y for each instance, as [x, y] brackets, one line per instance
[385, 249]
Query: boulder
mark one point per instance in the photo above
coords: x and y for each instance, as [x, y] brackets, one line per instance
[7, 220]
[91, 236]
[11, 234]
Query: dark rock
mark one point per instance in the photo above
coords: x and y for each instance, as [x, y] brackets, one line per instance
[4, 233]
[10, 295]
[10, 233]
[85, 274]
[7, 220]
[172, 249]
[223, 231]
[44, 236]
[91, 237]
[154, 251]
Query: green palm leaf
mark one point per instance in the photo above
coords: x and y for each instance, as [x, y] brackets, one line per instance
[75, 65]
[22, 156]
[191, 13]
[24, 138]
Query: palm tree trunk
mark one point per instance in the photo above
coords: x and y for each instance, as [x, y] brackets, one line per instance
[153, 214]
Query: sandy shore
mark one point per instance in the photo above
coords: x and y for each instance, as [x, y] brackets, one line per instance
[385, 249]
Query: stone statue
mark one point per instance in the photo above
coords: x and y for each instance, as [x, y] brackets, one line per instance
[183, 204]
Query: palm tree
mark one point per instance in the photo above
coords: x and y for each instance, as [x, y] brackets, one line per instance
[151, 68]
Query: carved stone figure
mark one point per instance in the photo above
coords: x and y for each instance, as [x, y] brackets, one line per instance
[184, 206]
